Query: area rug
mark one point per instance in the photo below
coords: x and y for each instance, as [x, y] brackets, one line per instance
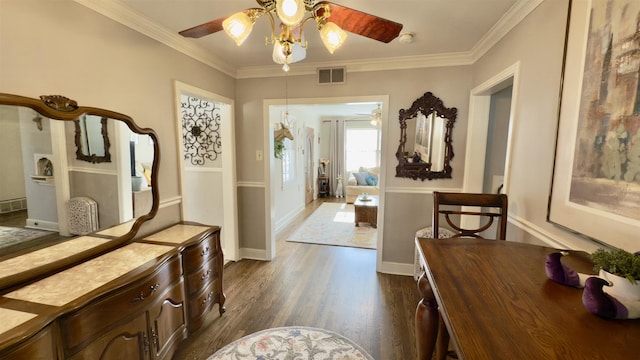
[333, 224]
[13, 235]
[293, 342]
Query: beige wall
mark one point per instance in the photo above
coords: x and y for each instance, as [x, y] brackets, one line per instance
[538, 44]
[451, 84]
[61, 47]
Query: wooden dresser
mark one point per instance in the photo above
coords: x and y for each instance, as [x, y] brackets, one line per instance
[136, 302]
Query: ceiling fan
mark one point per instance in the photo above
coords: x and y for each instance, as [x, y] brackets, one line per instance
[375, 116]
[332, 22]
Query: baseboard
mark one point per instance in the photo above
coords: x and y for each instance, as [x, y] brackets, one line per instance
[394, 268]
[42, 225]
[540, 234]
[253, 254]
[288, 218]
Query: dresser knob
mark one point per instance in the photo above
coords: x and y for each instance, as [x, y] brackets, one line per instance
[207, 298]
[142, 296]
[206, 275]
[205, 251]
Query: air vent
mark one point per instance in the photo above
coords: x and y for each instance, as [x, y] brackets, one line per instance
[330, 76]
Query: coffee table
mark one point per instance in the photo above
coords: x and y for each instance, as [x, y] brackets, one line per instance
[366, 210]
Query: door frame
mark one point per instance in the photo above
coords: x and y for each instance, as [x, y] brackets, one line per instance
[230, 240]
[269, 201]
[479, 112]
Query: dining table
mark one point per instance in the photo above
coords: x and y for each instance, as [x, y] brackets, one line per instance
[491, 299]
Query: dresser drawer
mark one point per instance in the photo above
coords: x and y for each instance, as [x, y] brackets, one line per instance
[200, 279]
[203, 301]
[100, 315]
[197, 255]
[40, 346]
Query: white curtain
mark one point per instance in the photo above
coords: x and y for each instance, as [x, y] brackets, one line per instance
[336, 155]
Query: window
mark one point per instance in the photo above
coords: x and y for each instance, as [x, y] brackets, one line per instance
[362, 145]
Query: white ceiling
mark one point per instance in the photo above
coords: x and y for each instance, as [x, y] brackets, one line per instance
[445, 30]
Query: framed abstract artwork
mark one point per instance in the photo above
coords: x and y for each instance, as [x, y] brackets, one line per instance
[596, 179]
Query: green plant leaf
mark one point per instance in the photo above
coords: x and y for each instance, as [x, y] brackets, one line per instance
[618, 262]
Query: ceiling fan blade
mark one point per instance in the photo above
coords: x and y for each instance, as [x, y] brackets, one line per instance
[204, 29]
[361, 23]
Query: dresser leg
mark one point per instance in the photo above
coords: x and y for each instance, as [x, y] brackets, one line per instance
[427, 319]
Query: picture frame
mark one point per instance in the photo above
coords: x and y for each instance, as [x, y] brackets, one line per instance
[595, 189]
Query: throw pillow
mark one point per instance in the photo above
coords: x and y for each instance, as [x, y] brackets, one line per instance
[372, 180]
[361, 177]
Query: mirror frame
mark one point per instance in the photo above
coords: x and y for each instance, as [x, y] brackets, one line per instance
[425, 105]
[59, 107]
[92, 158]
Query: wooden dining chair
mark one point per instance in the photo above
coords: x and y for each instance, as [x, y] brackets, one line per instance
[450, 206]
[491, 207]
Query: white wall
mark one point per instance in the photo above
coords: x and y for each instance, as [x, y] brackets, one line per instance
[12, 174]
[290, 197]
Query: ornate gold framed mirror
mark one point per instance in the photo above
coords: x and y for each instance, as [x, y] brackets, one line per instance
[425, 150]
[43, 177]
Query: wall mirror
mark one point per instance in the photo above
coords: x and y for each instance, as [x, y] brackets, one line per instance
[92, 139]
[425, 149]
[39, 183]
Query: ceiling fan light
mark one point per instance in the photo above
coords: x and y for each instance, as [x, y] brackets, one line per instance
[332, 36]
[238, 26]
[290, 12]
[278, 55]
[297, 53]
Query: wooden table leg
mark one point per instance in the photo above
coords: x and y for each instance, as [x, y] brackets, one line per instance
[427, 319]
[442, 345]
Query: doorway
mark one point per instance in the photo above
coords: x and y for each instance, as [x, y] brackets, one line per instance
[497, 136]
[206, 145]
[478, 132]
[273, 110]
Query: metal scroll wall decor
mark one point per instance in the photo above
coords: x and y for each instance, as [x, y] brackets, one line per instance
[200, 130]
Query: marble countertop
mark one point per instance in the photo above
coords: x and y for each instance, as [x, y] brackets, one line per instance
[12, 318]
[177, 234]
[118, 230]
[66, 286]
[49, 254]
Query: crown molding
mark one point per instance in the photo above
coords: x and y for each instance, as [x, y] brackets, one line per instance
[382, 64]
[507, 22]
[118, 11]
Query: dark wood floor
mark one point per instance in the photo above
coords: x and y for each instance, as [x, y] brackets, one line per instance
[19, 219]
[330, 287]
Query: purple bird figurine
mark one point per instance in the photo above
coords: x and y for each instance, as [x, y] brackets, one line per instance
[562, 273]
[596, 301]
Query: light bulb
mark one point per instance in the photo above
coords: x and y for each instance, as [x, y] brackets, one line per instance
[332, 36]
[238, 26]
[290, 12]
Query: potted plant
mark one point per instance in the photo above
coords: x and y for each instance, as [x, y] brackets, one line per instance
[621, 269]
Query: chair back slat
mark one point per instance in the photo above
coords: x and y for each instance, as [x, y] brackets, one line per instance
[497, 204]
